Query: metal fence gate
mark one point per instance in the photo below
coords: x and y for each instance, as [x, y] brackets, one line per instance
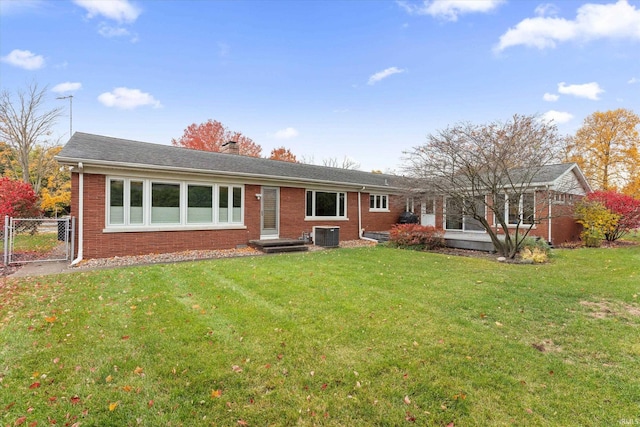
[37, 239]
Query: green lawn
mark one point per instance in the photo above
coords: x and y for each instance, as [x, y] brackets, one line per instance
[368, 336]
[39, 243]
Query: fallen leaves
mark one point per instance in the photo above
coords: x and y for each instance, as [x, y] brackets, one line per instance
[216, 393]
[113, 406]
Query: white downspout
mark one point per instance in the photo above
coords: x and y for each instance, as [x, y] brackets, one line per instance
[549, 215]
[360, 230]
[80, 212]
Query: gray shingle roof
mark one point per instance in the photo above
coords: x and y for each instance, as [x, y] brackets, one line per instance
[102, 150]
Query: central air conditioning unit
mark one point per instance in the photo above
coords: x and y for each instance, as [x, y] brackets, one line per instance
[326, 236]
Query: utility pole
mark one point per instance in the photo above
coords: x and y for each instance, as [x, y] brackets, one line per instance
[70, 98]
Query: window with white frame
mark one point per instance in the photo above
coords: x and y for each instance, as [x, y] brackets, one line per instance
[139, 203]
[379, 202]
[459, 215]
[325, 204]
[520, 209]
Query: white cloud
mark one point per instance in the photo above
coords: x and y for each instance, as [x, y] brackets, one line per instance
[384, 74]
[588, 90]
[550, 97]
[547, 9]
[118, 10]
[449, 9]
[66, 87]
[108, 31]
[127, 99]
[24, 59]
[633, 80]
[286, 133]
[557, 117]
[618, 20]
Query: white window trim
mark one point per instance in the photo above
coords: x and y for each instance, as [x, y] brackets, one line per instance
[326, 218]
[382, 197]
[463, 229]
[521, 222]
[147, 225]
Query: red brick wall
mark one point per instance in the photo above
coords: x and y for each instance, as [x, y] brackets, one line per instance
[99, 244]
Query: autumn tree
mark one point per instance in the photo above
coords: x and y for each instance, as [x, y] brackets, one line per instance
[25, 124]
[477, 167]
[211, 135]
[624, 207]
[17, 199]
[606, 149]
[283, 154]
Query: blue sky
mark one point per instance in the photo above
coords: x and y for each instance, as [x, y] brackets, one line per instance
[360, 79]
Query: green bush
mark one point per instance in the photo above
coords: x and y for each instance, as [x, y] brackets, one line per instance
[535, 249]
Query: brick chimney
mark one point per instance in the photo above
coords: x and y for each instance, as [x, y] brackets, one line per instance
[230, 147]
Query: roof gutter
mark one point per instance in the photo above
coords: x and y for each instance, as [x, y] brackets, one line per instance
[80, 213]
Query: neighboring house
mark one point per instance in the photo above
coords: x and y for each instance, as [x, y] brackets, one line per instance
[546, 208]
[132, 198]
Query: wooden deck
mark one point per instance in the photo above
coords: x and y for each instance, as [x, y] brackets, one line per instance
[452, 239]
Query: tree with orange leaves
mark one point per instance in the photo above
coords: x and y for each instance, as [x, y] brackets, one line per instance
[283, 154]
[606, 149]
[211, 135]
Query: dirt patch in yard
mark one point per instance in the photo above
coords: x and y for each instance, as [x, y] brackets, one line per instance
[604, 309]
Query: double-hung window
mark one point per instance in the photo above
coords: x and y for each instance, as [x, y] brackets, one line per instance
[520, 209]
[324, 204]
[378, 202]
[136, 203]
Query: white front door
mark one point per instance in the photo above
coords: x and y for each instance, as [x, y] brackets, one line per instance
[428, 212]
[270, 213]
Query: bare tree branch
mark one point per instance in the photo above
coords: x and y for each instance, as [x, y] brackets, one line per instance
[480, 167]
[23, 124]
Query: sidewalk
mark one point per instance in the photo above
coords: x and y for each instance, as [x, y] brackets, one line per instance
[31, 269]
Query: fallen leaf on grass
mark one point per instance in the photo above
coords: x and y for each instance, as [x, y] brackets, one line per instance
[216, 393]
[109, 378]
[407, 400]
[75, 400]
[410, 418]
[50, 319]
[34, 385]
[113, 406]
[236, 368]
[138, 371]
[127, 388]
[242, 423]
[20, 421]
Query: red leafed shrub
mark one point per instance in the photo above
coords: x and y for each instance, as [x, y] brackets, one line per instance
[417, 236]
[627, 207]
[17, 199]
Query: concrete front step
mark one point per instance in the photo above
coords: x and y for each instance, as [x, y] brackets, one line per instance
[279, 245]
[279, 249]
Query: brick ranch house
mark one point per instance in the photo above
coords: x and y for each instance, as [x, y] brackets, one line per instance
[135, 198]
